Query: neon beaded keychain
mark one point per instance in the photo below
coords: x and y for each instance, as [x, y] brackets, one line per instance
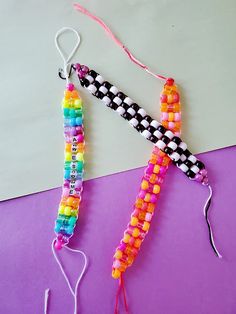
[72, 107]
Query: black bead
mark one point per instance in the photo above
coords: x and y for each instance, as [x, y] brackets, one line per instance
[93, 73]
[148, 119]
[113, 106]
[138, 117]
[153, 139]
[125, 106]
[127, 116]
[161, 129]
[151, 129]
[99, 95]
[140, 128]
[199, 164]
[110, 95]
[107, 85]
[165, 139]
[190, 174]
[84, 82]
[135, 107]
[187, 153]
[179, 150]
[176, 140]
[178, 162]
[188, 163]
[168, 150]
[97, 84]
[121, 95]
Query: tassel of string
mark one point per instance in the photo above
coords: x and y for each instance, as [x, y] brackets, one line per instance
[206, 211]
[80, 8]
[121, 287]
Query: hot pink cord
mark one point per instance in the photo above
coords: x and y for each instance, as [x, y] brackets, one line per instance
[116, 40]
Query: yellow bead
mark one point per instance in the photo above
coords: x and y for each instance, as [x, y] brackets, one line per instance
[80, 157]
[134, 221]
[61, 210]
[171, 116]
[135, 232]
[156, 189]
[65, 103]
[68, 156]
[116, 274]
[146, 226]
[156, 169]
[118, 254]
[78, 103]
[144, 185]
[67, 211]
[147, 197]
[126, 238]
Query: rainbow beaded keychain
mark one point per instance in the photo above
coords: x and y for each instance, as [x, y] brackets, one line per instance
[68, 212]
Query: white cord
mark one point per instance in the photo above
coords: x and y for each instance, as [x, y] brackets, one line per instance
[75, 291]
[66, 59]
[46, 297]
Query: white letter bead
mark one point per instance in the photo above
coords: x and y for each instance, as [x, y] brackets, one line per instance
[155, 124]
[128, 101]
[145, 123]
[195, 169]
[92, 89]
[114, 90]
[142, 112]
[146, 133]
[183, 146]
[120, 110]
[160, 144]
[103, 89]
[131, 111]
[172, 145]
[175, 156]
[169, 134]
[117, 101]
[100, 79]
[158, 134]
[183, 167]
[192, 158]
[133, 122]
[106, 100]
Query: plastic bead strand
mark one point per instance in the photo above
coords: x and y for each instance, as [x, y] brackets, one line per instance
[73, 167]
[151, 129]
[152, 180]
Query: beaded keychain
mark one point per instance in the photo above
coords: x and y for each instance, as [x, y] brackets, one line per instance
[72, 107]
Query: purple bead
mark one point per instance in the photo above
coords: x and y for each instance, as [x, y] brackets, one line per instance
[205, 181]
[78, 184]
[203, 172]
[66, 184]
[162, 170]
[198, 177]
[122, 246]
[85, 69]
[149, 168]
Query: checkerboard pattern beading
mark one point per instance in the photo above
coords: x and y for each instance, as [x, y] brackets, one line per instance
[137, 117]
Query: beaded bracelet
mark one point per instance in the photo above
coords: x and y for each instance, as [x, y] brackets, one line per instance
[146, 200]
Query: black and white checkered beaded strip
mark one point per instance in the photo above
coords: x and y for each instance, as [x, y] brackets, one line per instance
[151, 129]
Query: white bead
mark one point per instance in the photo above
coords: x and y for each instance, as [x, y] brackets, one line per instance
[100, 79]
[183, 157]
[142, 112]
[172, 145]
[175, 156]
[117, 101]
[103, 89]
[183, 146]
[92, 89]
[158, 134]
[106, 100]
[120, 110]
[146, 133]
[128, 101]
[114, 90]
[195, 169]
[131, 111]
[90, 78]
[160, 144]
[192, 158]
[169, 134]
[183, 167]
[155, 124]
[145, 123]
[133, 122]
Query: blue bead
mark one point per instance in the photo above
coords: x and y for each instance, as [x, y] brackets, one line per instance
[79, 121]
[57, 227]
[73, 122]
[67, 174]
[70, 230]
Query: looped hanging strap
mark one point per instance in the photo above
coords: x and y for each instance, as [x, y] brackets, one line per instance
[66, 59]
[205, 212]
[75, 290]
[80, 8]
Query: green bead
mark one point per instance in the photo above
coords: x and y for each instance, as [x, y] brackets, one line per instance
[67, 165]
[72, 113]
[66, 112]
[80, 166]
[72, 221]
[79, 113]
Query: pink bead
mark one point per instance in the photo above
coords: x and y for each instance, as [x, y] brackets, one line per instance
[198, 177]
[122, 246]
[203, 172]
[171, 125]
[78, 184]
[65, 192]
[142, 193]
[145, 206]
[205, 181]
[80, 138]
[153, 198]
[164, 116]
[162, 170]
[177, 116]
[77, 66]
[58, 244]
[66, 184]
[150, 168]
[176, 97]
[70, 87]
[163, 98]
[148, 217]
[116, 264]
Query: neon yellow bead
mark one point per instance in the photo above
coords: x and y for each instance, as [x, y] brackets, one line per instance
[78, 103]
[68, 156]
[156, 189]
[61, 209]
[135, 232]
[146, 226]
[126, 238]
[67, 211]
[118, 254]
[134, 221]
[80, 157]
[116, 274]
[144, 185]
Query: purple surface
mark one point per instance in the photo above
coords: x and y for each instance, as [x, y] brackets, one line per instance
[175, 271]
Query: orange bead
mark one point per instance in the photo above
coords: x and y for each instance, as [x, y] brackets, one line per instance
[144, 184]
[165, 124]
[70, 201]
[116, 273]
[137, 243]
[135, 232]
[151, 208]
[139, 203]
[163, 107]
[68, 147]
[156, 169]
[153, 178]
[147, 197]
[141, 215]
[74, 94]
[171, 116]
[118, 254]
[126, 238]
[67, 94]
[156, 189]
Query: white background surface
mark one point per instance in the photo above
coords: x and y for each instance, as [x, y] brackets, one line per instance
[192, 41]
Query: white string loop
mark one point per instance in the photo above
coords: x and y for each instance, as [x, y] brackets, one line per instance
[66, 59]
